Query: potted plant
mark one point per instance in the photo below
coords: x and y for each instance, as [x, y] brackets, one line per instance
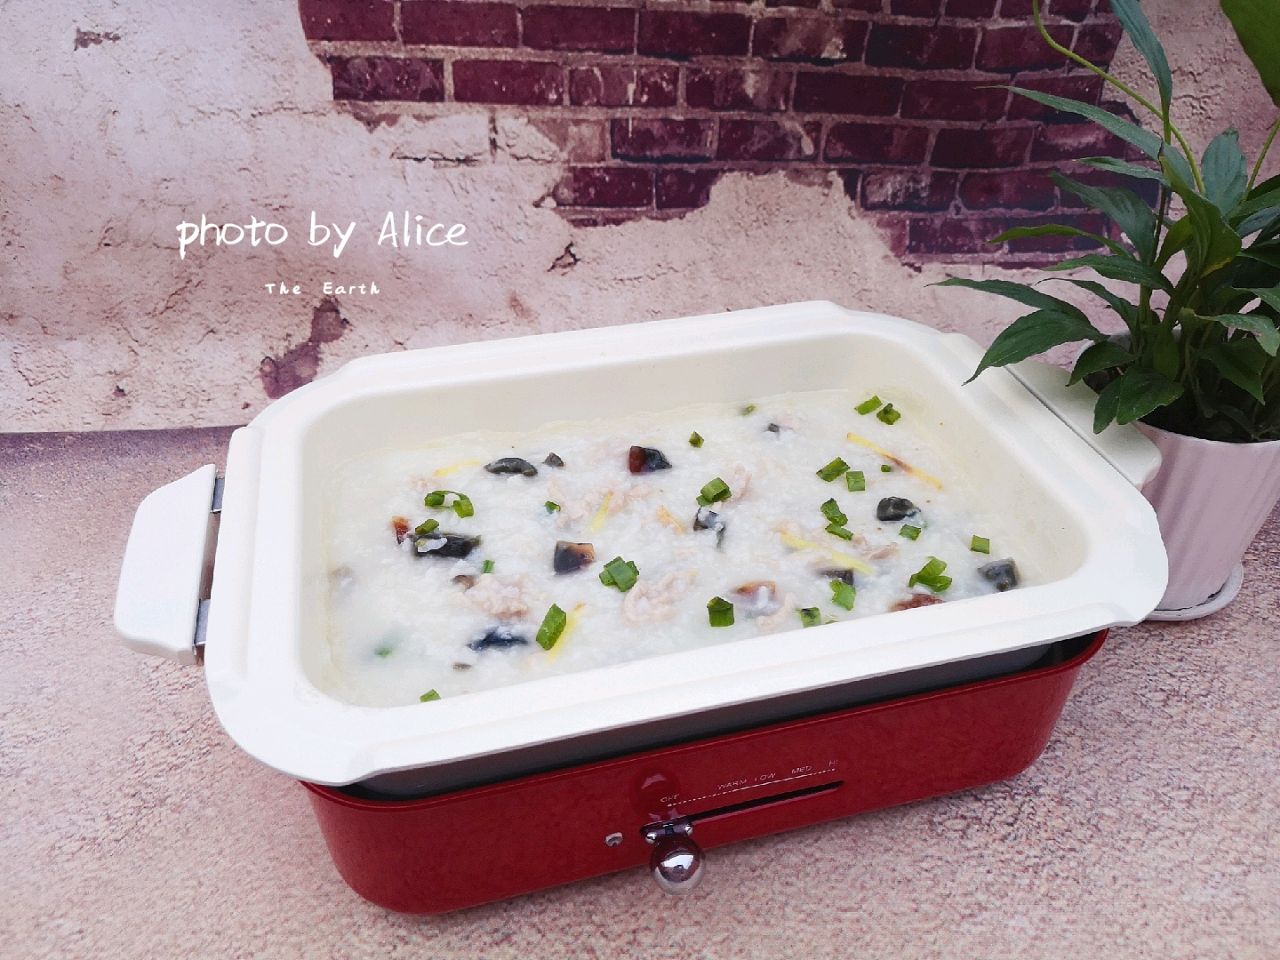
[1196, 282]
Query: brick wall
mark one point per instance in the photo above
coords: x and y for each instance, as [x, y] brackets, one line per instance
[653, 100]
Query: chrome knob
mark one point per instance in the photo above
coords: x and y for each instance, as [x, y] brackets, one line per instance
[677, 862]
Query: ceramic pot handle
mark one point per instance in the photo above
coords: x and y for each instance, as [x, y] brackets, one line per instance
[1124, 447]
[166, 564]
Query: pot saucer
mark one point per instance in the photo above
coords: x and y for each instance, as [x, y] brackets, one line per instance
[1215, 603]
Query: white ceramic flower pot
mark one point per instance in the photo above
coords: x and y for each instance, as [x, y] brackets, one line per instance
[1211, 498]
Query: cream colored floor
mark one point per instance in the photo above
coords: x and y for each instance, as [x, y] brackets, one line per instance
[131, 827]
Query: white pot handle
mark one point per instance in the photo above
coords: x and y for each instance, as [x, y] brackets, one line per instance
[1124, 447]
[164, 573]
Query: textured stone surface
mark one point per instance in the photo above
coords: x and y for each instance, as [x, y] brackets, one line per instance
[135, 828]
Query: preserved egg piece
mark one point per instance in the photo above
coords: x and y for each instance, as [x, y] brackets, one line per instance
[400, 527]
[708, 519]
[465, 580]
[552, 460]
[498, 638]
[895, 508]
[512, 465]
[774, 428]
[646, 460]
[758, 598]
[1002, 574]
[570, 557]
[916, 600]
[439, 544]
[843, 574]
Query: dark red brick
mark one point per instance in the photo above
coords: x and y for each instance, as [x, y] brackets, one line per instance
[915, 8]
[643, 139]
[1148, 190]
[618, 86]
[872, 96]
[459, 24]
[1017, 9]
[1071, 9]
[876, 143]
[810, 4]
[1086, 88]
[1010, 49]
[809, 38]
[1090, 223]
[676, 33]
[605, 187]
[347, 19]
[908, 190]
[768, 140]
[1097, 42]
[734, 89]
[603, 29]
[995, 147]
[1075, 140]
[684, 188]
[871, 6]
[946, 234]
[934, 47]
[508, 82]
[1023, 190]
[387, 78]
[971, 8]
[953, 100]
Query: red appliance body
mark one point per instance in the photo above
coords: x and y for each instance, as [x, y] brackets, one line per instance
[472, 846]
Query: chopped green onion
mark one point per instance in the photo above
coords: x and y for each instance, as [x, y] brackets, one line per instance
[714, 491]
[552, 506]
[719, 612]
[552, 626]
[831, 510]
[833, 469]
[429, 696]
[842, 594]
[620, 573]
[695, 439]
[835, 529]
[749, 409]
[889, 415]
[462, 505]
[486, 567]
[866, 406]
[980, 544]
[384, 650]
[931, 575]
[856, 481]
[909, 531]
[885, 468]
[425, 527]
[810, 616]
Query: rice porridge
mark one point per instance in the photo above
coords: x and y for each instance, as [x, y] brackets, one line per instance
[488, 559]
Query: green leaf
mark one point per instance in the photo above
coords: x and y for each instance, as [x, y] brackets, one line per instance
[1268, 253]
[1021, 292]
[1124, 168]
[1175, 241]
[1036, 333]
[1058, 230]
[1241, 362]
[1124, 268]
[1257, 203]
[1255, 25]
[1225, 176]
[1127, 311]
[1265, 222]
[1213, 243]
[1135, 24]
[1144, 140]
[1133, 395]
[1100, 356]
[1260, 325]
[1266, 186]
[1126, 209]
